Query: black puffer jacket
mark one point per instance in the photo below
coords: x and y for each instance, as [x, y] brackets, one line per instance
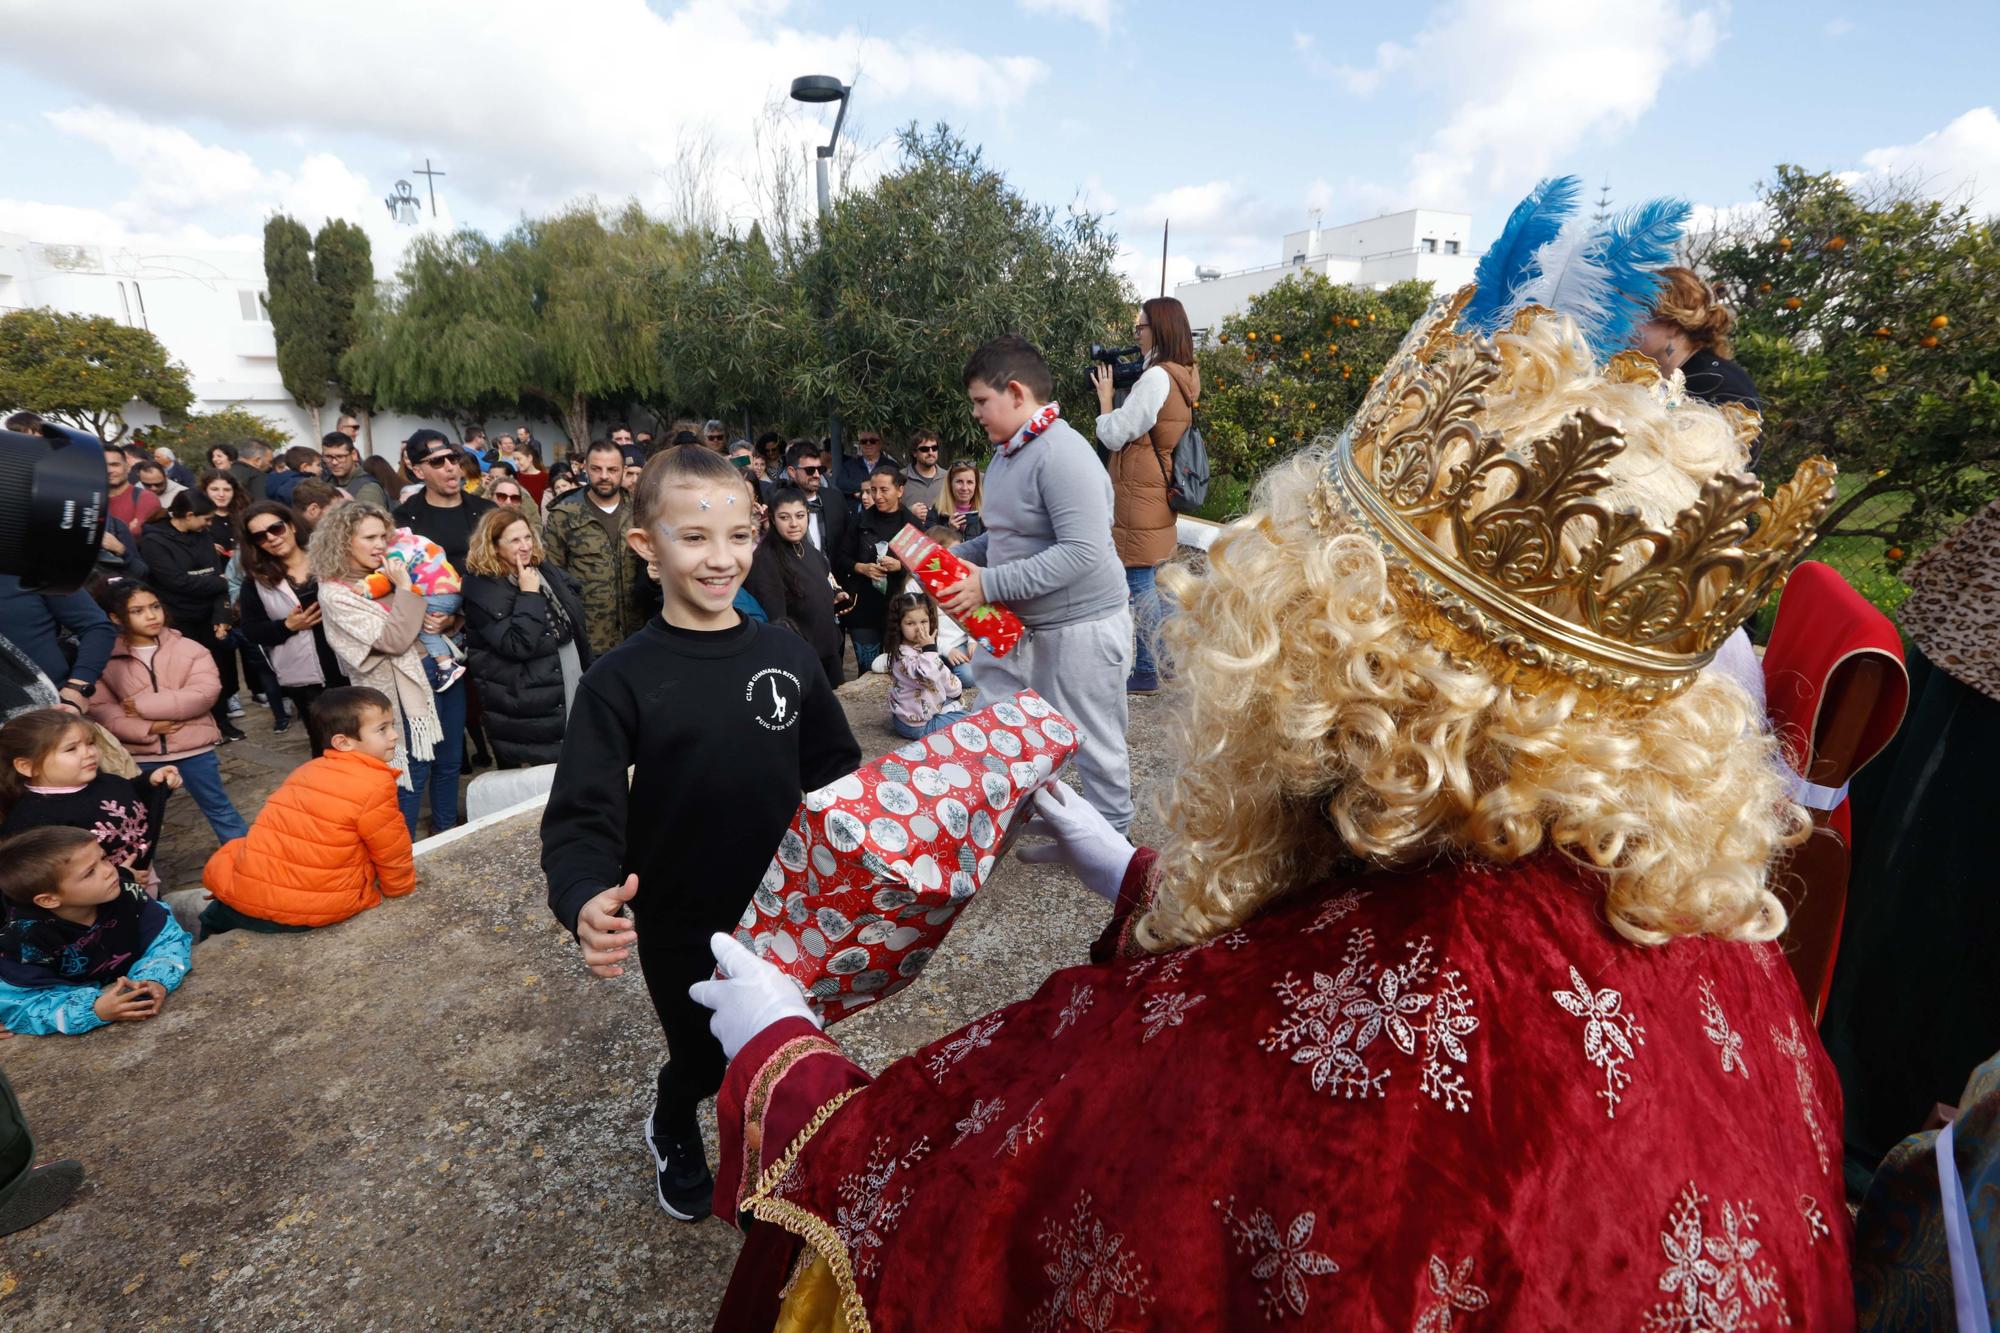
[186, 572]
[515, 659]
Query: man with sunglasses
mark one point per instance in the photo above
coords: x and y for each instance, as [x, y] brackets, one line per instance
[924, 481]
[716, 436]
[443, 512]
[849, 473]
[826, 520]
[153, 477]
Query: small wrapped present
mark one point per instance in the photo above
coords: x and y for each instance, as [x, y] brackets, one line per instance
[876, 866]
[937, 569]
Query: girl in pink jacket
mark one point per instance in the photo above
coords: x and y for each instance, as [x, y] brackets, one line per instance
[155, 695]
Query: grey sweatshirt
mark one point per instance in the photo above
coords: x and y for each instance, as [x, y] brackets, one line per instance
[1046, 552]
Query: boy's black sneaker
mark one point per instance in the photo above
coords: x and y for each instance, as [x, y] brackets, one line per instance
[685, 1186]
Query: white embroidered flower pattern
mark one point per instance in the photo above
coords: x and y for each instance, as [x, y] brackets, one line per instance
[977, 1120]
[1080, 1001]
[1096, 1280]
[867, 1212]
[1167, 1011]
[1171, 966]
[1793, 1045]
[1336, 908]
[978, 1035]
[1283, 1260]
[1454, 1292]
[1816, 1228]
[1333, 1020]
[1234, 940]
[1726, 1038]
[1714, 1283]
[1024, 1132]
[1609, 1033]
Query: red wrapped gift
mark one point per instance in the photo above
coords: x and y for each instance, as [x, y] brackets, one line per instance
[875, 867]
[937, 569]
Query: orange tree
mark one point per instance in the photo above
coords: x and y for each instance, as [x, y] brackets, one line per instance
[1294, 366]
[1872, 328]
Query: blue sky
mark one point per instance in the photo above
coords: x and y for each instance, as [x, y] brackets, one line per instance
[169, 125]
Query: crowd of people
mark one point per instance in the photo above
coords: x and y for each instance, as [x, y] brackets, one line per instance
[1458, 854]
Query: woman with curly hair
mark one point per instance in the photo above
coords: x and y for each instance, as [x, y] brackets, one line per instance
[1452, 986]
[372, 617]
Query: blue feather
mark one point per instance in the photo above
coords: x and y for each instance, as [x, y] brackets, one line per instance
[1632, 250]
[1532, 225]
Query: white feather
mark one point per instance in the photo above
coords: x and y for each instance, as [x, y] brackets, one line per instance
[1568, 276]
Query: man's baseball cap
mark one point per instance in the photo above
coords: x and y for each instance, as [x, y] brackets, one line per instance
[426, 444]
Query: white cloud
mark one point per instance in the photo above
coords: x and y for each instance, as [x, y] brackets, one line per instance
[1361, 81]
[1097, 13]
[1959, 163]
[1196, 207]
[1838, 27]
[522, 110]
[1519, 84]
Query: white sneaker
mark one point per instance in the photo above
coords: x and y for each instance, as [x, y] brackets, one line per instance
[235, 706]
[881, 667]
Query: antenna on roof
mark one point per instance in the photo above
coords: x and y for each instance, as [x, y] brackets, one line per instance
[1603, 214]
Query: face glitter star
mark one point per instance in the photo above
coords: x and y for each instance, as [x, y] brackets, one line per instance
[703, 502]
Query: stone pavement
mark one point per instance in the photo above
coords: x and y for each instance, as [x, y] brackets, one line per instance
[428, 1117]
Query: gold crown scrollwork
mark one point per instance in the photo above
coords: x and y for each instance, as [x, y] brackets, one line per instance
[1507, 556]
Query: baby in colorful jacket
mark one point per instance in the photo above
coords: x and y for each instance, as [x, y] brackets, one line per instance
[438, 584]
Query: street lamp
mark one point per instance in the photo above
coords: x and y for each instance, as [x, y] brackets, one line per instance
[815, 89]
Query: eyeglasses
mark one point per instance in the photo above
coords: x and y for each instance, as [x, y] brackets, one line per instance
[155, 485]
[436, 460]
[717, 436]
[507, 497]
[264, 534]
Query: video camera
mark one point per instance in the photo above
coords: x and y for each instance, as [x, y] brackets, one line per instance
[1127, 364]
[53, 494]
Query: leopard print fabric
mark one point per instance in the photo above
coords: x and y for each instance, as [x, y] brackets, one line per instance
[1953, 612]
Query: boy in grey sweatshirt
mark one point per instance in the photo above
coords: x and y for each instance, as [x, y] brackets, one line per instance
[1046, 554]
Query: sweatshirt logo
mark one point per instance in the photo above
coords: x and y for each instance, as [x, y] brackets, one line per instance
[774, 695]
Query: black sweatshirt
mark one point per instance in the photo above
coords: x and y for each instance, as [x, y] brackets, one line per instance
[725, 730]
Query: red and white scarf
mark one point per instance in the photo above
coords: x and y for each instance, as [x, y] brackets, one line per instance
[1032, 428]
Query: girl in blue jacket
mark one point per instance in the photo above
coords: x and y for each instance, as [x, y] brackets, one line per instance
[82, 945]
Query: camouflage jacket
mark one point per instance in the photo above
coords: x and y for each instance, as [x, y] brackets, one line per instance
[609, 578]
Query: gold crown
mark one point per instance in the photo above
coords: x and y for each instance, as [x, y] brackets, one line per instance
[1549, 586]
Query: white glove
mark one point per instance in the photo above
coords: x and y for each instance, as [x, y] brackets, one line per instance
[1096, 853]
[750, 995]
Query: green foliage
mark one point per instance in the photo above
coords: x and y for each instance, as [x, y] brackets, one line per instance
[192, 436]
[939, 256]
[298, 313]
[82, 370]
[727, 317]
[1839, 301]
[344, 269]
[557, 314]
[1295, 365]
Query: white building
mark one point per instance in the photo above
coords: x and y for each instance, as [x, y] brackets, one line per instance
[1422, 243]
[205, 306]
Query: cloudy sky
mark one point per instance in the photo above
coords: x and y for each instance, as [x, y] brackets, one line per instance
[175, 125]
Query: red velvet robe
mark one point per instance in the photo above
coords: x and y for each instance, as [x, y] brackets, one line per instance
[1436, 1100]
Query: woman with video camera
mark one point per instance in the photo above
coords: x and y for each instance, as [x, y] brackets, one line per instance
[1140, 434]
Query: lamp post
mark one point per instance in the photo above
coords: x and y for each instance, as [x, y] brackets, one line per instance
[814, 90]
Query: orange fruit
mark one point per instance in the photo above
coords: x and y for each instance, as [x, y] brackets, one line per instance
[1270, 439]
[1277, 337]
[1940, 321]
[1312, 407]
[1895, 553]
[1793, 303]
[1251, 336]
[1332, 348]
[1882, 333]
[1784, 242]
[1928, 340]
[1371, 317]
[1763, 286]
[1225, 337]
[1836, 243]
[1880, 372]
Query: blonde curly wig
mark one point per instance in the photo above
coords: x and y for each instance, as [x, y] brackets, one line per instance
[1314, 725]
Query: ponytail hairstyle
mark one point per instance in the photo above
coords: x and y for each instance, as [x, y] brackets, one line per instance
[1688, 303]
[115, 594]
[31, 738]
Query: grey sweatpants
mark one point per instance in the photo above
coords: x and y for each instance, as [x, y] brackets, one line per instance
[1081, 670]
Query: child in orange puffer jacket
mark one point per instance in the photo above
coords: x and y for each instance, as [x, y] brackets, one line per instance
[331, 841]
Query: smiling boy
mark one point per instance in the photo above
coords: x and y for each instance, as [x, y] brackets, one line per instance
[724, 723]
[1047, 555]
